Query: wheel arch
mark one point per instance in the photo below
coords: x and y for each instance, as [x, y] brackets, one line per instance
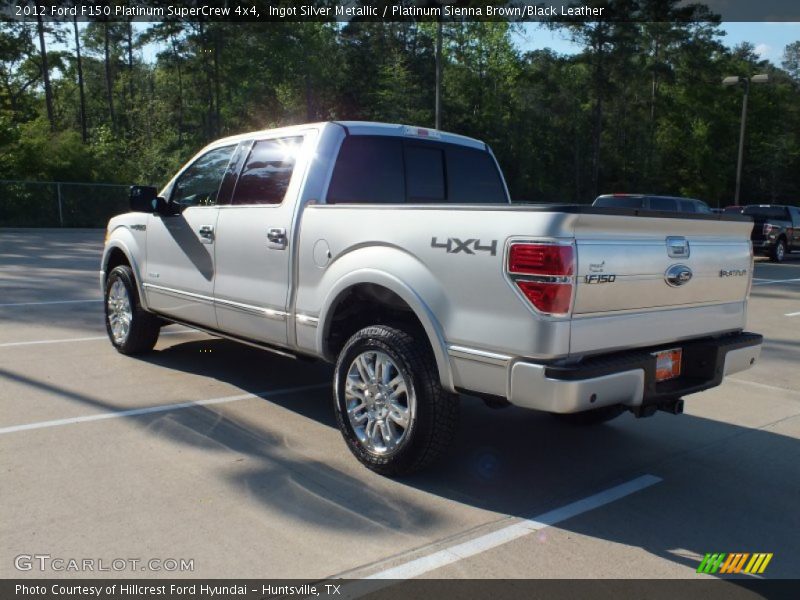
[385, 292]
[117, 252]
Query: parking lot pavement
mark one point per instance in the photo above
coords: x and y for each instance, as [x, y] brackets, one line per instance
[218, 453]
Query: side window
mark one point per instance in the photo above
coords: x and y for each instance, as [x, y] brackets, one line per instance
[663, 204]
[199, 184]
[267, 171]
[689, 206]
[424, 174]
[795, 215]
[369, 169]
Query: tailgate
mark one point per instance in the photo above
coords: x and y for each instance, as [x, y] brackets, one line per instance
[645, 280]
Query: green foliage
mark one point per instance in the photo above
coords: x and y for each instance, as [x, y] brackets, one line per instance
[641, 108]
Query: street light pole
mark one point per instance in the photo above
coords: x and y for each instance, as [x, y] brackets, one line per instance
[438, 116]
[745, 83]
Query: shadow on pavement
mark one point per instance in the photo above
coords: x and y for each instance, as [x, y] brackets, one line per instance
[726, 488]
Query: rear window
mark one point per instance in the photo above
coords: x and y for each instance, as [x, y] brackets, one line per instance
[766, 212]
[619, 201]
[394, 170]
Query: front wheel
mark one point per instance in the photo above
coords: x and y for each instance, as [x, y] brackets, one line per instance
[390, 406]
[131, 329]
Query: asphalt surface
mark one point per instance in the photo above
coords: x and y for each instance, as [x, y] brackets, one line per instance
[255, 481]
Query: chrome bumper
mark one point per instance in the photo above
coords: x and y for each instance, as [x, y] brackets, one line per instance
[629, 378]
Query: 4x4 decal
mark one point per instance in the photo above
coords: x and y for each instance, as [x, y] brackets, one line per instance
[470, 246]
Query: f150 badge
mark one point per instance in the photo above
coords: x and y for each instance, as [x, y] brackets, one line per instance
[471, 246]
[599, 278]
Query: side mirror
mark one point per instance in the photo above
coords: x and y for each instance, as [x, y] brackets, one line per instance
[143, 198]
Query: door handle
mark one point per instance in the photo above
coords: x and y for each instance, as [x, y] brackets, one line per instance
[277, 238]
[206, 234]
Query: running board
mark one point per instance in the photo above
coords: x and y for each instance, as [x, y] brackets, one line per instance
[228, 336]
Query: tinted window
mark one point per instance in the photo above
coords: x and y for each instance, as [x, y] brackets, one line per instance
[766, 212]
[473, 177]
[702, 207]
[619, 201]
[377, 169]
[795, 214]
[368, 170]
[267, 171]
[688, 206]
[657, 203]
[199, 184]
[424, 174]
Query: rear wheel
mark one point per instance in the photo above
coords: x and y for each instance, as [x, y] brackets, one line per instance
[591, 417]
[779, 251]
[131, 329]
[390, 406]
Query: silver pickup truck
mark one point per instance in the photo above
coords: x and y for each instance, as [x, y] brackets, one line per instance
[394, 252]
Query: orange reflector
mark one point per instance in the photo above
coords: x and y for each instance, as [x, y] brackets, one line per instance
[668, 364]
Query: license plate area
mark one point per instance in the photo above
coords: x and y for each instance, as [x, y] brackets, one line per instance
[668, 364]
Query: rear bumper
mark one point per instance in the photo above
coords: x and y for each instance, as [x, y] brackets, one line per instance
[628, 378]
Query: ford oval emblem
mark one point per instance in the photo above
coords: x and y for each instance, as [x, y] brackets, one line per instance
[678, 275]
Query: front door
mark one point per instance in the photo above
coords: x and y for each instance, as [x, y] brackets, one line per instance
[180, 266]
[254, 240]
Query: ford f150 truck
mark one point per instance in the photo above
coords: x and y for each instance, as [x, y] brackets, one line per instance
[776, 229]
[395, 253]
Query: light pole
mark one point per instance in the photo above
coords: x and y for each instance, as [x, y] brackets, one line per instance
[440, 4]
[745, 83]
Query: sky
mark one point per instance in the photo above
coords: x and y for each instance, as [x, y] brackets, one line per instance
[768, 38]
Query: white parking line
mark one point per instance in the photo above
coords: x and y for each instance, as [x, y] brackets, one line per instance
[51, 302]
[83, 339]
[795, 314]
[154, 409]
[766, 386]
[771, 281]
[457, 552]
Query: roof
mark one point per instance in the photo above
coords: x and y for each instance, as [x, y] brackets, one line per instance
[364, 128]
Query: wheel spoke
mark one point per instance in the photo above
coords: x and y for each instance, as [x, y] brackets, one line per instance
[386, 434]
[400, 415]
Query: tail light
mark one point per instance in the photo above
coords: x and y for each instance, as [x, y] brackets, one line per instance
[543, 273]
[768, 229]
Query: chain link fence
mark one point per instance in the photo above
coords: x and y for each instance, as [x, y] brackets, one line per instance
[60, 203]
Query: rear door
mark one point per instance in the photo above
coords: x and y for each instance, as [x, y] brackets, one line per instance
[255, 239]
[180, 266]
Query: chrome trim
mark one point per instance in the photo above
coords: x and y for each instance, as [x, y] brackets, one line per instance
[483, 356]
[307, 320]
[178, 293]
[261, 311]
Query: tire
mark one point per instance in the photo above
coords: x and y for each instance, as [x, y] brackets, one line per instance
[778, 253]
[591, 417]
[121, 303]
[388, 379]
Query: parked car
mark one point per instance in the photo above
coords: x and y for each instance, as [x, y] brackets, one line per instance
[651, 202]
[394, 252]
[776, 229]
